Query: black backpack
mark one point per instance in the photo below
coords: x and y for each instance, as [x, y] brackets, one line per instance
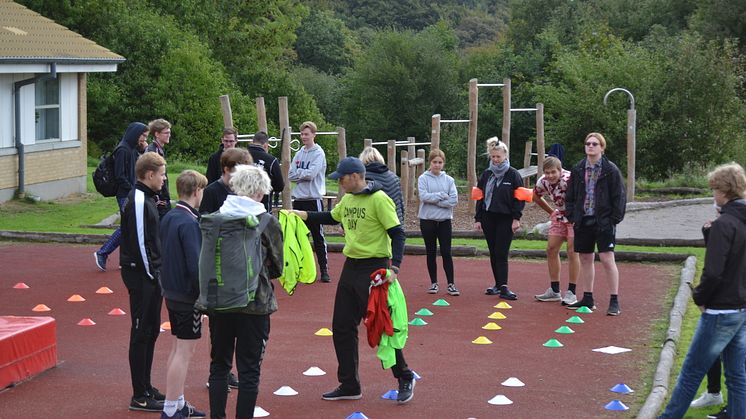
[103, 177]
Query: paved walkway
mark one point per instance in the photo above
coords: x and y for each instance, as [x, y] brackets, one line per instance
[673, 220]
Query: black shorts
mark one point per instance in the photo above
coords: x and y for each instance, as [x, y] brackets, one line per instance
[186, 321]
[589, 236]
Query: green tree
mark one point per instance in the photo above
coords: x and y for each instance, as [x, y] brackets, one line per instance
[254, 41]
[688, 111]
[326, 90]
[381, 14]
[719, 19]
[325, 43]
[398, 84]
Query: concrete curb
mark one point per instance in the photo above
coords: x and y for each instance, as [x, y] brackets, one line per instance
[660, 387]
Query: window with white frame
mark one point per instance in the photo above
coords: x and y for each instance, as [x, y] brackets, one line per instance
[47, 109]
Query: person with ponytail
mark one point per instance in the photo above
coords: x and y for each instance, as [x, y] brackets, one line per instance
[498, 213]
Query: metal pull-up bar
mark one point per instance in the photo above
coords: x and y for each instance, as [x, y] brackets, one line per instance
[631, 139]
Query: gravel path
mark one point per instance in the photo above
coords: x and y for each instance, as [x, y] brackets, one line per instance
[680, 220]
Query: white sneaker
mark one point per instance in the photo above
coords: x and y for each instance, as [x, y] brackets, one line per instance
[570, 298]
[708, 399]
[549, 295]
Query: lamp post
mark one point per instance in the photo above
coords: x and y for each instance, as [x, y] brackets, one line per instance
[631, 140]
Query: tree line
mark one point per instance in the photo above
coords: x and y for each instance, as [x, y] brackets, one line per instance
[381, 68]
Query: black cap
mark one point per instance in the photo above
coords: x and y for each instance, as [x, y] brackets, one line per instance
[348, 166]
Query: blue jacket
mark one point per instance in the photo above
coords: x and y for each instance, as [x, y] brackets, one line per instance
[181, 240]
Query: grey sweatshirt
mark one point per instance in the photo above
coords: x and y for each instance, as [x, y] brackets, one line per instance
[438, 196]
[308, 171]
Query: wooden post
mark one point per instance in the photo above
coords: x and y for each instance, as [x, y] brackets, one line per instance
[391, 155]
[404, 177]
[435, 132]
[419, 170]
[631, 150]
[540, 146]
[342, 152]
[412, 153]
[285, 156]
[225, 107]
[506, 113]
[471, 158]
[527, 160]
[261, 115]
[367, 142]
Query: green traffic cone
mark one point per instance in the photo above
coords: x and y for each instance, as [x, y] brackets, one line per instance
[575, 320]
[565, 330]
[584, 309]
[418, 322]
[441, 303]
[553, 343]
[424, 312]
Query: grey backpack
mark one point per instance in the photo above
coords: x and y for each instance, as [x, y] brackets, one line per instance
[230, 261]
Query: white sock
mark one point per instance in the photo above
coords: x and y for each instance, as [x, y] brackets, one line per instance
[170, 407]
[180, 402]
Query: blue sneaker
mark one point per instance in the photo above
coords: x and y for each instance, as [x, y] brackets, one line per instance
[176, 415]
[189, 411]
[100, 261]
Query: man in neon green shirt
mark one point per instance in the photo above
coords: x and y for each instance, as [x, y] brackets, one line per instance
[374, 239]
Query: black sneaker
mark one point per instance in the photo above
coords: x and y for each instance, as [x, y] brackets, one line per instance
[492, 290]
[722, 414]
[232, 381]
[189, 411]
[507, 294]
[325, 277]
[614, 309]
[340, 394]
[100, 261]
[452, 290]
[406, 390]
[156, 394]
[582, 303]
[207, 384]
[433, 289]
[146, 404]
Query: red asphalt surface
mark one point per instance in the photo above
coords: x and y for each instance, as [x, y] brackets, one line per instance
[458, 377]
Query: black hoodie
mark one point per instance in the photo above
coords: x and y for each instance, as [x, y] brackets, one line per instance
[723, 283]
[124, 158]
[390, 184]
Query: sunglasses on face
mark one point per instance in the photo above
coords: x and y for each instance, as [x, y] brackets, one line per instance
[592, 144]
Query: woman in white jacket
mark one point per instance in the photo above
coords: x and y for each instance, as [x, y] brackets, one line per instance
[438, 197]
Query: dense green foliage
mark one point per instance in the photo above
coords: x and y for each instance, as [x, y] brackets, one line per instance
[381, 68]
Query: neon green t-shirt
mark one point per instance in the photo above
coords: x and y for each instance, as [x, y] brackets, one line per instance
[365, 218]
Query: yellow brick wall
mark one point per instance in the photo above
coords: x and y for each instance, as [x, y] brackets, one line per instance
[43, 166]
